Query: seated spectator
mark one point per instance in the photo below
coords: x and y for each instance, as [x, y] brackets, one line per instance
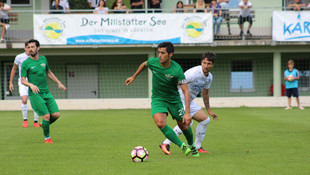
[137, 4]
[217, 16]
[200, 7]
[93, 4]
[155, 4]
[65, 5]
[4, 20]
[57, 8]
[245, 15]
[101, 9]
[119, 7]
[225, 13]
[179, 8]
[296, 5]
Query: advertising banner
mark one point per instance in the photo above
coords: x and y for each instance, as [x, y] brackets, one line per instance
[291, 26]
[94, 29]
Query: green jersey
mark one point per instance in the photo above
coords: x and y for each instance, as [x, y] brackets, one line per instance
[35, 71]
[165, 80]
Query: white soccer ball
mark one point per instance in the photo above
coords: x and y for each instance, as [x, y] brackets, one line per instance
[139, 154]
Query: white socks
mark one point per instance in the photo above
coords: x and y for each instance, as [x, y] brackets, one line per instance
[36, 116]
[201, 132]
[24, 111]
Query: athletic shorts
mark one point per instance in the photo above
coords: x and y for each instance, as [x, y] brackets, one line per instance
[5, 21]
[292, 91]
[226, 15]
[23, 90]
[241, 19]
[43, 103]
[175, 109]
[194, 107]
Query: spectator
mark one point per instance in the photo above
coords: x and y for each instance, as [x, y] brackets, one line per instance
[225, 13]
[102, 8]
[65, 5]
[245, 15]
[93, 3]
[296, 5]
[57, 8]
[179, 8]
[119, 7]
[4, 18]
[155, 4]
[137, 4]
[217, 16]
[200, 7]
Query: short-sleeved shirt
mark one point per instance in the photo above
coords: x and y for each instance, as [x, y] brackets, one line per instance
[35, 71]
[103, 11]
[19, 59]
[135, 7]
[64, 4]
[224, 5]
[196, 81]
[93, 3]
[165, 80]
[5, 14]
[300, 2]
[291, 84]
[245, 13]
[216, 9]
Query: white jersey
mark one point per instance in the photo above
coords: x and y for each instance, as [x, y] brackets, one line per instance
[19, 59]
[196, 81]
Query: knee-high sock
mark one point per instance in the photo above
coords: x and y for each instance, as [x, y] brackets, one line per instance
[24, 111]
[46, 128]
[177, 131]
[169, 133]
[52, 120]
[189, 136]
[201, 131]
[35, 116]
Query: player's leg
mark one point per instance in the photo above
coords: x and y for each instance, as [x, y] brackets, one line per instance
[52, 107]
[24, 110]
[289, 95]
[295, 94]
[249, 19]
[203, 122]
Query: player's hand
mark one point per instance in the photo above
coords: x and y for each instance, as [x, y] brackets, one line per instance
[62, 87]
[214, 116]
[11, 87]
[129, 80]
[34, 89]
[187, 119]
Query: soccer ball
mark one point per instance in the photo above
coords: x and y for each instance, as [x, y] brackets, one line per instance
[290, 77]
[139, 154]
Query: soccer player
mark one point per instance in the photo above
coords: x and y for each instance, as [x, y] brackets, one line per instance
[23, 90]
[291, 76]
[167, 75]
[198, 78]
[36, 69]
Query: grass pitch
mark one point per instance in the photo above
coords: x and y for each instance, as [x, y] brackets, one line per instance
[243, 141]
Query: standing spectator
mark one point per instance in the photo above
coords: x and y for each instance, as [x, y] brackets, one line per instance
[65, 5]
[101, 9]
[155, 4]
[4, 18]
[200, 7]
[291, 76]
[217, 16]
[179, 8]
[93, 3]
[57, 8]
[119, 7]
[137, 4]
[225, 13]
[296, 5]
[245, 15]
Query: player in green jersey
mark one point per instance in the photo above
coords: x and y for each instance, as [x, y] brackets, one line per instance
[36, 69]
[167, 75]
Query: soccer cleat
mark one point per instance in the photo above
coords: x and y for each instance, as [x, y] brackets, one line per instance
[165, 148]
[41, 125]
[186, 150]
[35, 124]
[201, 150]
[7, 26]
[241, 33]
[301, 108]
[287, 108]
[48, 140]
[249, 33]
[194, 151]
[25, 124]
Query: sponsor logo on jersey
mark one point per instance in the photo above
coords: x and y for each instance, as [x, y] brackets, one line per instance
[169, 76]
[43, 65]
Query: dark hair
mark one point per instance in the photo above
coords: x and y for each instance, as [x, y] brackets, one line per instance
[168, 45]
[104, 5]
[181, 3]
[2, 1]
[210, 56]
[34, 41]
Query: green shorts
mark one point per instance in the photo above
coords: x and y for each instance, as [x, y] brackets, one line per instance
[43, 103]
[175, 109]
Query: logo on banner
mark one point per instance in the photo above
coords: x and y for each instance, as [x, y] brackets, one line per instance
[194, 27]
[52, 28]
[296, 30]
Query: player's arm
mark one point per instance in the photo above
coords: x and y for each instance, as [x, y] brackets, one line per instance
[297, 78]
[142, 66]
[51, 75]
[186, 118]
[205, 97]
[33, 87]
[13, 71]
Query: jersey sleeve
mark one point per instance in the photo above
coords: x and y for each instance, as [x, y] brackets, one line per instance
[47, 66]
[16, 61]
[181, 76]
[189, 75]
[150, 61]
[24, 71]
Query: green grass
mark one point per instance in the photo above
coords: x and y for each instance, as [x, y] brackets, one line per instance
[246, 141]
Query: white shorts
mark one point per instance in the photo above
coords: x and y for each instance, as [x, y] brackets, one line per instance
[193, 107]
[23, 90]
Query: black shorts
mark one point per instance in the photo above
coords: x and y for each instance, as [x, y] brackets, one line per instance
[5, 21]
[241, 19]
[226, 15]
[291, 91]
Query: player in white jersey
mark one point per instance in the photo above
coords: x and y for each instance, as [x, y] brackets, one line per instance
[198, 79]
[23, 90]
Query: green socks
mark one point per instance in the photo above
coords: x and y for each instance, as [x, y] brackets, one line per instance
[169, 133]
[46, 128]
[189, 136]
[52, 120]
